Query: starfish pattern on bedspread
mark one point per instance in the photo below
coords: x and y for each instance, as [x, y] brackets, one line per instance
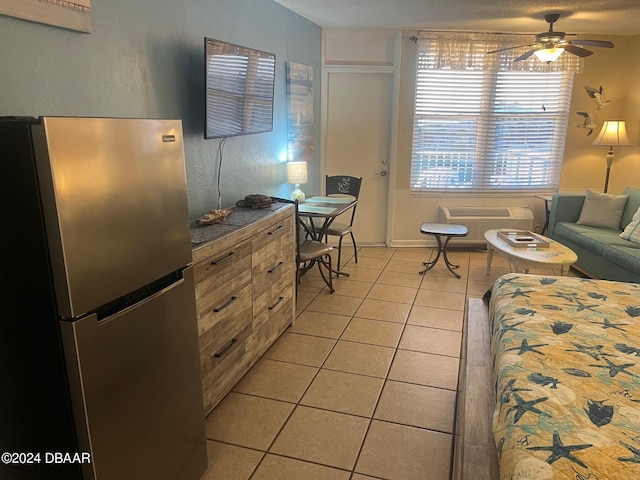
[525, 347]
[521, 407]
[559, 450]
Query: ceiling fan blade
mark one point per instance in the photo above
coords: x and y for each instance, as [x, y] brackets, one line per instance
[526, 55]
[579, 51]
[591, 43]
[510, 48]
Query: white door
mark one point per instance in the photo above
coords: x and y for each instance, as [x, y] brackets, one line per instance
[357, 143]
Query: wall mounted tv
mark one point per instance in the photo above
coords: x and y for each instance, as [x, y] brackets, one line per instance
[239, 83]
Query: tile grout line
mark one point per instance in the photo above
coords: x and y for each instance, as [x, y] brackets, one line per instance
[386, 379]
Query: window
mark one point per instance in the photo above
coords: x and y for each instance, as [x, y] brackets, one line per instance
[483, 128]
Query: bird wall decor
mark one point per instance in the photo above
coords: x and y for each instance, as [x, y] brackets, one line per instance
[598, 96]
[588, 123]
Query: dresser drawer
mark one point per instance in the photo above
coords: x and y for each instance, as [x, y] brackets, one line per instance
[272, 320]
[267, 286]
[220, 275]
[273, 263]
[222, 368]
[222, 321]
[273, 244]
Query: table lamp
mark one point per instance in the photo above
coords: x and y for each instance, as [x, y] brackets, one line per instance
[297, 174]
[613, 134]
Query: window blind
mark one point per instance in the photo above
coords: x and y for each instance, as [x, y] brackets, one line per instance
[488, 130]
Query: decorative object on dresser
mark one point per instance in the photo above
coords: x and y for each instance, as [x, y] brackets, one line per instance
[244, 293]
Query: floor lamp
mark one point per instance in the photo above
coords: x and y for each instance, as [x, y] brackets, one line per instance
[613, 134]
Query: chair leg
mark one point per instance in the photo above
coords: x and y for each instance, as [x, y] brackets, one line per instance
[355, 248]
[326, 263]
[339, 252]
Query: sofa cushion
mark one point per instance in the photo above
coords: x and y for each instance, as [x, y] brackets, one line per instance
[628, 257]
[603, 242]
[632, 231]
[602, 209]
[632, 205]
[574, 233]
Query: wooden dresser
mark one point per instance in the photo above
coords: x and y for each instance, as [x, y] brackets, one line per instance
[245, 292]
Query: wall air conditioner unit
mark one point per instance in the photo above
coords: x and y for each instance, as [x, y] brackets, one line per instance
[480, 219]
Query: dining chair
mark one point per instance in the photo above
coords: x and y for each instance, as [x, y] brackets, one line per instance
[310, 252]
[343, 185]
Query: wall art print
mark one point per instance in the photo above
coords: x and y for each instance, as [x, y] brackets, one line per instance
[299, 112]
[74, 15]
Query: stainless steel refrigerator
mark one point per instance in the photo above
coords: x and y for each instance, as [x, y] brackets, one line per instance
[98, 337]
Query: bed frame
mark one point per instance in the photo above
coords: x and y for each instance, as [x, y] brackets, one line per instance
[475, 456]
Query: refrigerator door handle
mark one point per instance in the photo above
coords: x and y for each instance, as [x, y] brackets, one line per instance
[113, 311]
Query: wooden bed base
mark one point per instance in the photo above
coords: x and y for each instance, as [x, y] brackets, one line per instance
[475, 456]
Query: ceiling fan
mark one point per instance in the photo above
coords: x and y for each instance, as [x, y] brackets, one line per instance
[550, 45]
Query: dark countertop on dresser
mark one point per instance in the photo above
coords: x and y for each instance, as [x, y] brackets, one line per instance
[240, 218]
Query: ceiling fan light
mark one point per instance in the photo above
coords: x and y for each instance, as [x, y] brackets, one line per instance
[549, 54]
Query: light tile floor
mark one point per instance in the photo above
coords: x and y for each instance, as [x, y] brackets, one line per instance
[363, 385]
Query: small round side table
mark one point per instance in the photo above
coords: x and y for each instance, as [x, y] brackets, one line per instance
[439, 230]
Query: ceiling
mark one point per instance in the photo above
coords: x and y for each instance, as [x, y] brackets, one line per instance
[613, 17]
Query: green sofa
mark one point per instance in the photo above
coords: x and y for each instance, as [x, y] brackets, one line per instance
[601, 252]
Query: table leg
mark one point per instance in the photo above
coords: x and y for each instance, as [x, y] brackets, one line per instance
[547, 214]
[449, 265]
[489, 258]
[432, 263]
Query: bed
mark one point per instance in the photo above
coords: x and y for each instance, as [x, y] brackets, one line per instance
[565, 356]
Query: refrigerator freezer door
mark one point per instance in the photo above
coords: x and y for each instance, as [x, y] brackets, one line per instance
[136, 391]
[115, 201]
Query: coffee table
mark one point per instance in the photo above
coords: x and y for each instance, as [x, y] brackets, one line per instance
[554, 256]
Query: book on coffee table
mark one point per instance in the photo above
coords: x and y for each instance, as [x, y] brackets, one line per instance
[523, 239]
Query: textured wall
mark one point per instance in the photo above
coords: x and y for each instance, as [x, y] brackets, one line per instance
[146, 59]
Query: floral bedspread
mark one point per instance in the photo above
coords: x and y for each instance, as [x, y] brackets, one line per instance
[566, 366]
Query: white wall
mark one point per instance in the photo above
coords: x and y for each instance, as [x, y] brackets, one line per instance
[616, 70]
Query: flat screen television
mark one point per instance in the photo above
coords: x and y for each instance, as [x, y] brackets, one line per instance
[239, 86]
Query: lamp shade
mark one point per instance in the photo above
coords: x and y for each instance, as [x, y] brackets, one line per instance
[613, 134]
[548, 54]
[297, 172]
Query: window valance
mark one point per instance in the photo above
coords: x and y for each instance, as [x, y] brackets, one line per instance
[459, 51]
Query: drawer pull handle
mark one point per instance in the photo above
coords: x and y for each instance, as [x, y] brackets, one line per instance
[280, 299]
[276, 268]
[229, 256]
[226, 349]
[225, 305]
[280, 227]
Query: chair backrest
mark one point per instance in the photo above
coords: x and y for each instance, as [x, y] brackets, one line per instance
[343, 184]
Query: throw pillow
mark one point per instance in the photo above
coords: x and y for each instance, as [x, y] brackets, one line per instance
[602, 209]
[632, 231]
